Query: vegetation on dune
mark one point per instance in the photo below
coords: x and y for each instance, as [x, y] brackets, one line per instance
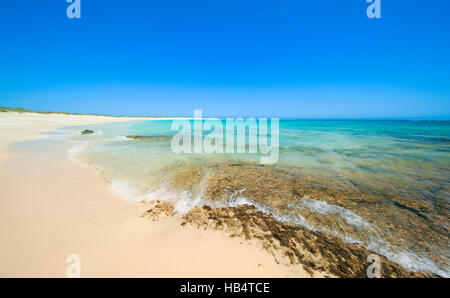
[22, 110]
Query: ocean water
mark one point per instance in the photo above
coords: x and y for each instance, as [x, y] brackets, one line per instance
[382, 184]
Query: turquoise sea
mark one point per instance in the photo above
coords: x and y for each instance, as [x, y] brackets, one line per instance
[382, 184]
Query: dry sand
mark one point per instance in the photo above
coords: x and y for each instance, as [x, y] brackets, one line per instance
[51, 207]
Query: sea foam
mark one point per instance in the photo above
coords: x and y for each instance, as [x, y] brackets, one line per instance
[184, 201]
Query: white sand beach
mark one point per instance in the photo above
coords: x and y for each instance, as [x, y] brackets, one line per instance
[51, 207]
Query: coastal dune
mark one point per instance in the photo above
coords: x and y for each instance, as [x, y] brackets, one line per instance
[51, 207]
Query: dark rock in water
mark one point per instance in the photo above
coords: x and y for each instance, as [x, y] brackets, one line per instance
[417, 212]
[87, 131]
[151, 138]
[138, 137]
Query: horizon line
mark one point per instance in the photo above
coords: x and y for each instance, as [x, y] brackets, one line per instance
[25, 110]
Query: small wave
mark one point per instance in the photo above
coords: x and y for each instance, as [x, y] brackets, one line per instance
[183, 201]
[75, 151]
[322, 207]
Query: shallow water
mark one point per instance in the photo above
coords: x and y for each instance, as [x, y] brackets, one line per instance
[382, 184]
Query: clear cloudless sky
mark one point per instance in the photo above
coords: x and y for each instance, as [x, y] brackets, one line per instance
[283, 58]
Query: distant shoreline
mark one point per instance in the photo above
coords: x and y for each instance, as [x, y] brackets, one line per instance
[23, 110]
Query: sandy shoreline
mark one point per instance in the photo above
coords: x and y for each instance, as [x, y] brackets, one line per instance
[52, 207]
[17, 127]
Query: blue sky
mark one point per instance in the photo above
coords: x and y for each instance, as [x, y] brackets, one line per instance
[283, 58]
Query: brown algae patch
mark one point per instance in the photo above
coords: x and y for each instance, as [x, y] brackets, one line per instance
[290, 245]
[333, 210]
[293, 245]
